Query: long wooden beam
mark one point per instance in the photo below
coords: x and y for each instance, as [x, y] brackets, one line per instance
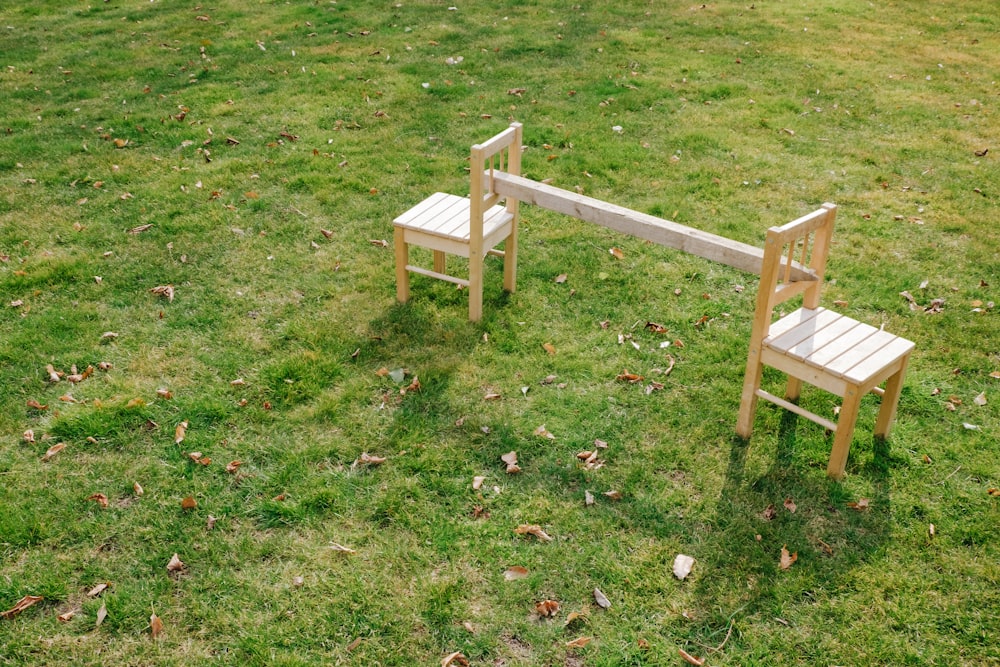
[642, 225]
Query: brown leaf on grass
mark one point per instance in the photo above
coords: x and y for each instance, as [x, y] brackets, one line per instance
[68, 398]
[108, 336]
[155, 625]
[340, 548]
[492, 396]
[616, 253]
[561, 278]
[860, 505]
[691, 659]
[790, 504]
[100, 499]
[379, 243]
[29, 436]
[631, 378]
[370, 460]
[510, 458]
[579, 642]
[601, 599]
[326, 232]
[97, 590]
[22, 604]
[827, 549]
[140, 229]
[455, 659]
[993, 492]
[54, 376]
[180, 432]
[164, 290]
[588, 498]
[67, 616]
[613, 495]
[980, 399]
[477, 482]
[656, 328]
[547, 608]
[515, 572]
[543, 432]
[35, 405]
[164, 393]
[549, 347]
[102, 614]
[210, 523]
[769, 512]
[533, 529]
[175, 564]
[413, 386]
[137, 489]
[233, 466]
[189, 503]
[53, 450]
[787, 559]
[517, 92]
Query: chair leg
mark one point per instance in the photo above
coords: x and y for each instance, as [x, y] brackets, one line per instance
[845, 433]
[793, 389]
[748, 400]
[439, 261]
[402, 259]
[510, 262]
[475, 287]
[890, 400]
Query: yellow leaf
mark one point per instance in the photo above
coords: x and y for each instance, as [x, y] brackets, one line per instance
[180, 432]
[533, 529]
[549, 347]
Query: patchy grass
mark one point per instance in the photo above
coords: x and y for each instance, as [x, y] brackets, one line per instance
[233, 137]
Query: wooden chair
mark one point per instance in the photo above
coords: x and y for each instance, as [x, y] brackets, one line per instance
[814, 345]
[469, 227]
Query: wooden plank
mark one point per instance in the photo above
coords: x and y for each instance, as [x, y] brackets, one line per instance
[878, 361]
[664, 232]
[789, 322]
[869, 347]
[843, 345]
[804, 338]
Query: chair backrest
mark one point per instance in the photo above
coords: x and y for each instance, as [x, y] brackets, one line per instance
[500, 153]
[801, 244]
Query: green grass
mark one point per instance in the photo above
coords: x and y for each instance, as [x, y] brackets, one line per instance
[734, 116]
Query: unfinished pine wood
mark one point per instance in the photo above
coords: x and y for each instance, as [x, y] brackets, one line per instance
[642, 225]
[470, 227]
[814, 345]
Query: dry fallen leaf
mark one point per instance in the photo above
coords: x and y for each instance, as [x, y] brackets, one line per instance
[100, 499]
[515, 572]
[588, 498]
[137, 489]
[189, 503]
[790, 505]
[29, 436]
[613, 495]
[547, 608]
[102, 614]
[549, 347]
[787, 559]
[233, 466]
[860, 505]
[53, 450]
[477, 482]
[341, 548]
[455, 659]
[533, 529]
[164, 290]
[164, 393]
[369, 459]
[601, 599]
[543, 432]
[97, 590]
[175, 564]
[579, 642]
[510, 458]
[54, 376]
[682, 566]
[980, 399]
[22, 604]
[180, 432]
[617, 253]
[66, 617]
[561, 278]
[155, 625]
[140, 229]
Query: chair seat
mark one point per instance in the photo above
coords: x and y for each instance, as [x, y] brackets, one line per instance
[839, 345]
[447, 216]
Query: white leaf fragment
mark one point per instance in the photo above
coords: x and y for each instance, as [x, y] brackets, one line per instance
[682, 566]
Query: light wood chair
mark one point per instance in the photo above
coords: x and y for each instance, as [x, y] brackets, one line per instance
[814, 345]
[468, 227]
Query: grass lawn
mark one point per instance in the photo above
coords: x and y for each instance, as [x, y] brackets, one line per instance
[193, 206]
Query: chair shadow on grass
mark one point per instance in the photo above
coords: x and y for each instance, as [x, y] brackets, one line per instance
[741, 578]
